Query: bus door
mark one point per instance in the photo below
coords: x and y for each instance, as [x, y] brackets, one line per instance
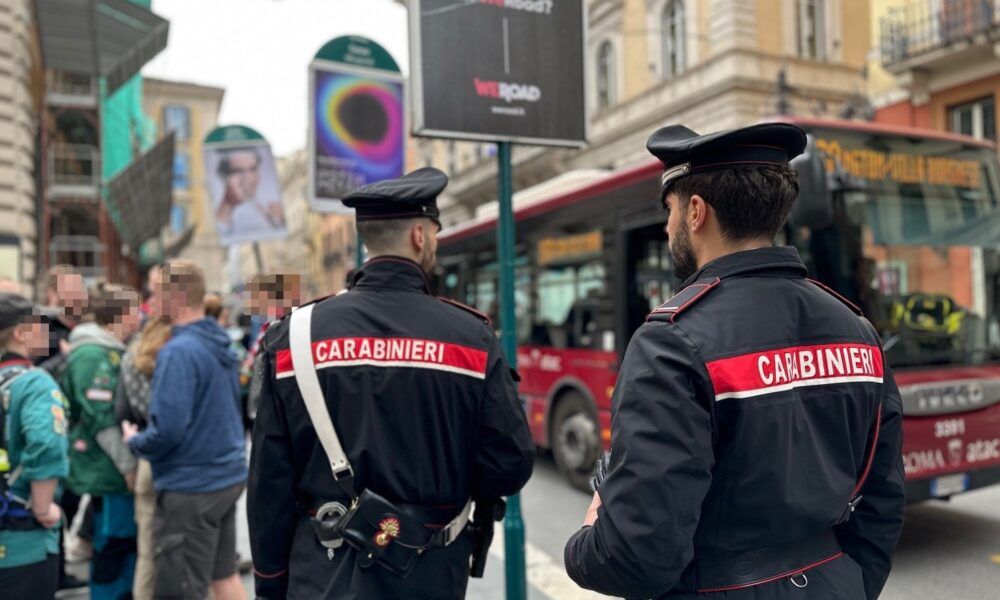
[649, 275]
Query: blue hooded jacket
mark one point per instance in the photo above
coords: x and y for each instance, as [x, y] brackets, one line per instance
[195, 439]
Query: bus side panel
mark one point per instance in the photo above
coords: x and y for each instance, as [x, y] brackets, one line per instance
[948, 454]
[546, 372]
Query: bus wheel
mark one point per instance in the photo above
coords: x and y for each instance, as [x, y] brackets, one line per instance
[576, 443]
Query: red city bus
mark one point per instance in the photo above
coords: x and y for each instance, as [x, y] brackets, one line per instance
[903, 222]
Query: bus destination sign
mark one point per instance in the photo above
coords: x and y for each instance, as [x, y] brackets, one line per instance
[900, 167]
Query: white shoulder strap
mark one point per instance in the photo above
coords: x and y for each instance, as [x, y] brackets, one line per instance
[300, 340]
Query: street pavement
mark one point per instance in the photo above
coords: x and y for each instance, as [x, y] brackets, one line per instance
[948, 549]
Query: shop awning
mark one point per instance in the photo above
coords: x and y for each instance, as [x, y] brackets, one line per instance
[126, 35]
[140, 197]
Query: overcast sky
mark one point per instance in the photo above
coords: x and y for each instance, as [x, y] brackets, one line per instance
[259, 51]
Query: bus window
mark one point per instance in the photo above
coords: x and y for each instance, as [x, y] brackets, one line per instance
[569, 303]
[917, 248]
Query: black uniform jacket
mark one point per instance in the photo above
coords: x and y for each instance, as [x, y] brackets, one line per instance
[426, 409]
[741, 422]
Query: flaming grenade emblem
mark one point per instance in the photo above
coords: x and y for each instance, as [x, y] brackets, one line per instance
[389, 528]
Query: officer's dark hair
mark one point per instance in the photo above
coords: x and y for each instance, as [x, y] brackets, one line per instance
[384, 236]
[751, 202]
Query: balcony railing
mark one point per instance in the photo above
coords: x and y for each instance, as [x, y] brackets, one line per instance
[70, 89]
[82, 251]
[74, 170]
[925, 25]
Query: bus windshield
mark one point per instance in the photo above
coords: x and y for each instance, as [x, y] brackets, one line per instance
[915, 242]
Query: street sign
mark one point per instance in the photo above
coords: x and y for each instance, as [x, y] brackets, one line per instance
[499, 70]
[243, 186]
[357, 133]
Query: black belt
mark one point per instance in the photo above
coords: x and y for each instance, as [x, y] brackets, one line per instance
[757, 567]
[432, 516]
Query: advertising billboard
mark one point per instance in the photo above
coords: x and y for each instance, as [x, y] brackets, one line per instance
[357, 133]
[243, 186]
[499, 70]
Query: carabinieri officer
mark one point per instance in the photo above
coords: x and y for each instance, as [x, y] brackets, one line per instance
[422, 402]
[756, 430]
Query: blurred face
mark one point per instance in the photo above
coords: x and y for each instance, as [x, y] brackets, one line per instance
[131, 320]
[35, 336]
[168, 302]
[243, 177]
[679, 238]
[71, 295]
[257, 301]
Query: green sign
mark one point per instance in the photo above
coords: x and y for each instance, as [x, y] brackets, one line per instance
[233, 133]
[359, 52]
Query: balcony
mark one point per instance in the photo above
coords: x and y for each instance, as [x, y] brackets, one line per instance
[935, 35]
[74, 171]
[84, 252]
[70, 89]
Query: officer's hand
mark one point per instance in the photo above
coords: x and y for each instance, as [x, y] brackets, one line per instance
[51, 517]
[129, 430]
[130, 480]
[591, 517]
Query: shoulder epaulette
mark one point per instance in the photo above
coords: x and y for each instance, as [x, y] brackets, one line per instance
[683, 300]
[485, 318]
[833, 293]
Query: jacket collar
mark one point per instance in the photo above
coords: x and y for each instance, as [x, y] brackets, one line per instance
[391, 273]
[776, 261]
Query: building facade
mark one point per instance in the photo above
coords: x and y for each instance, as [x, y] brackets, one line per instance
[707, 64]
[938, 64]
[190, 112]
[104, 181]
[21, 83]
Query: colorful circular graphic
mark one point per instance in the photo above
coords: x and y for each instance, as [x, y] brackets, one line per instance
[360, 122]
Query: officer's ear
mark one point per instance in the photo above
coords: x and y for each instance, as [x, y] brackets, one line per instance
[417, 236]
[697, 213]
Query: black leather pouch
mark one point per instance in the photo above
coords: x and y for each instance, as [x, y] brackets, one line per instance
[383, 534]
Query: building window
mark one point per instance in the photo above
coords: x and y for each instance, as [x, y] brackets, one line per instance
[178, 120]
[809, 16]
[182, 171]
[605, 76]
[178, 218]
[978, 119]
[672, 32]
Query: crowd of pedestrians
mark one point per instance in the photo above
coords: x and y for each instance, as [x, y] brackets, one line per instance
[125, 441]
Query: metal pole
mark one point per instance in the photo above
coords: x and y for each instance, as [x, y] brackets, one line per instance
[517, 585]
[258, 257]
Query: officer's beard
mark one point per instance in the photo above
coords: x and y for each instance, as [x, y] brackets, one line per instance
[685, 262]
[428, 258]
